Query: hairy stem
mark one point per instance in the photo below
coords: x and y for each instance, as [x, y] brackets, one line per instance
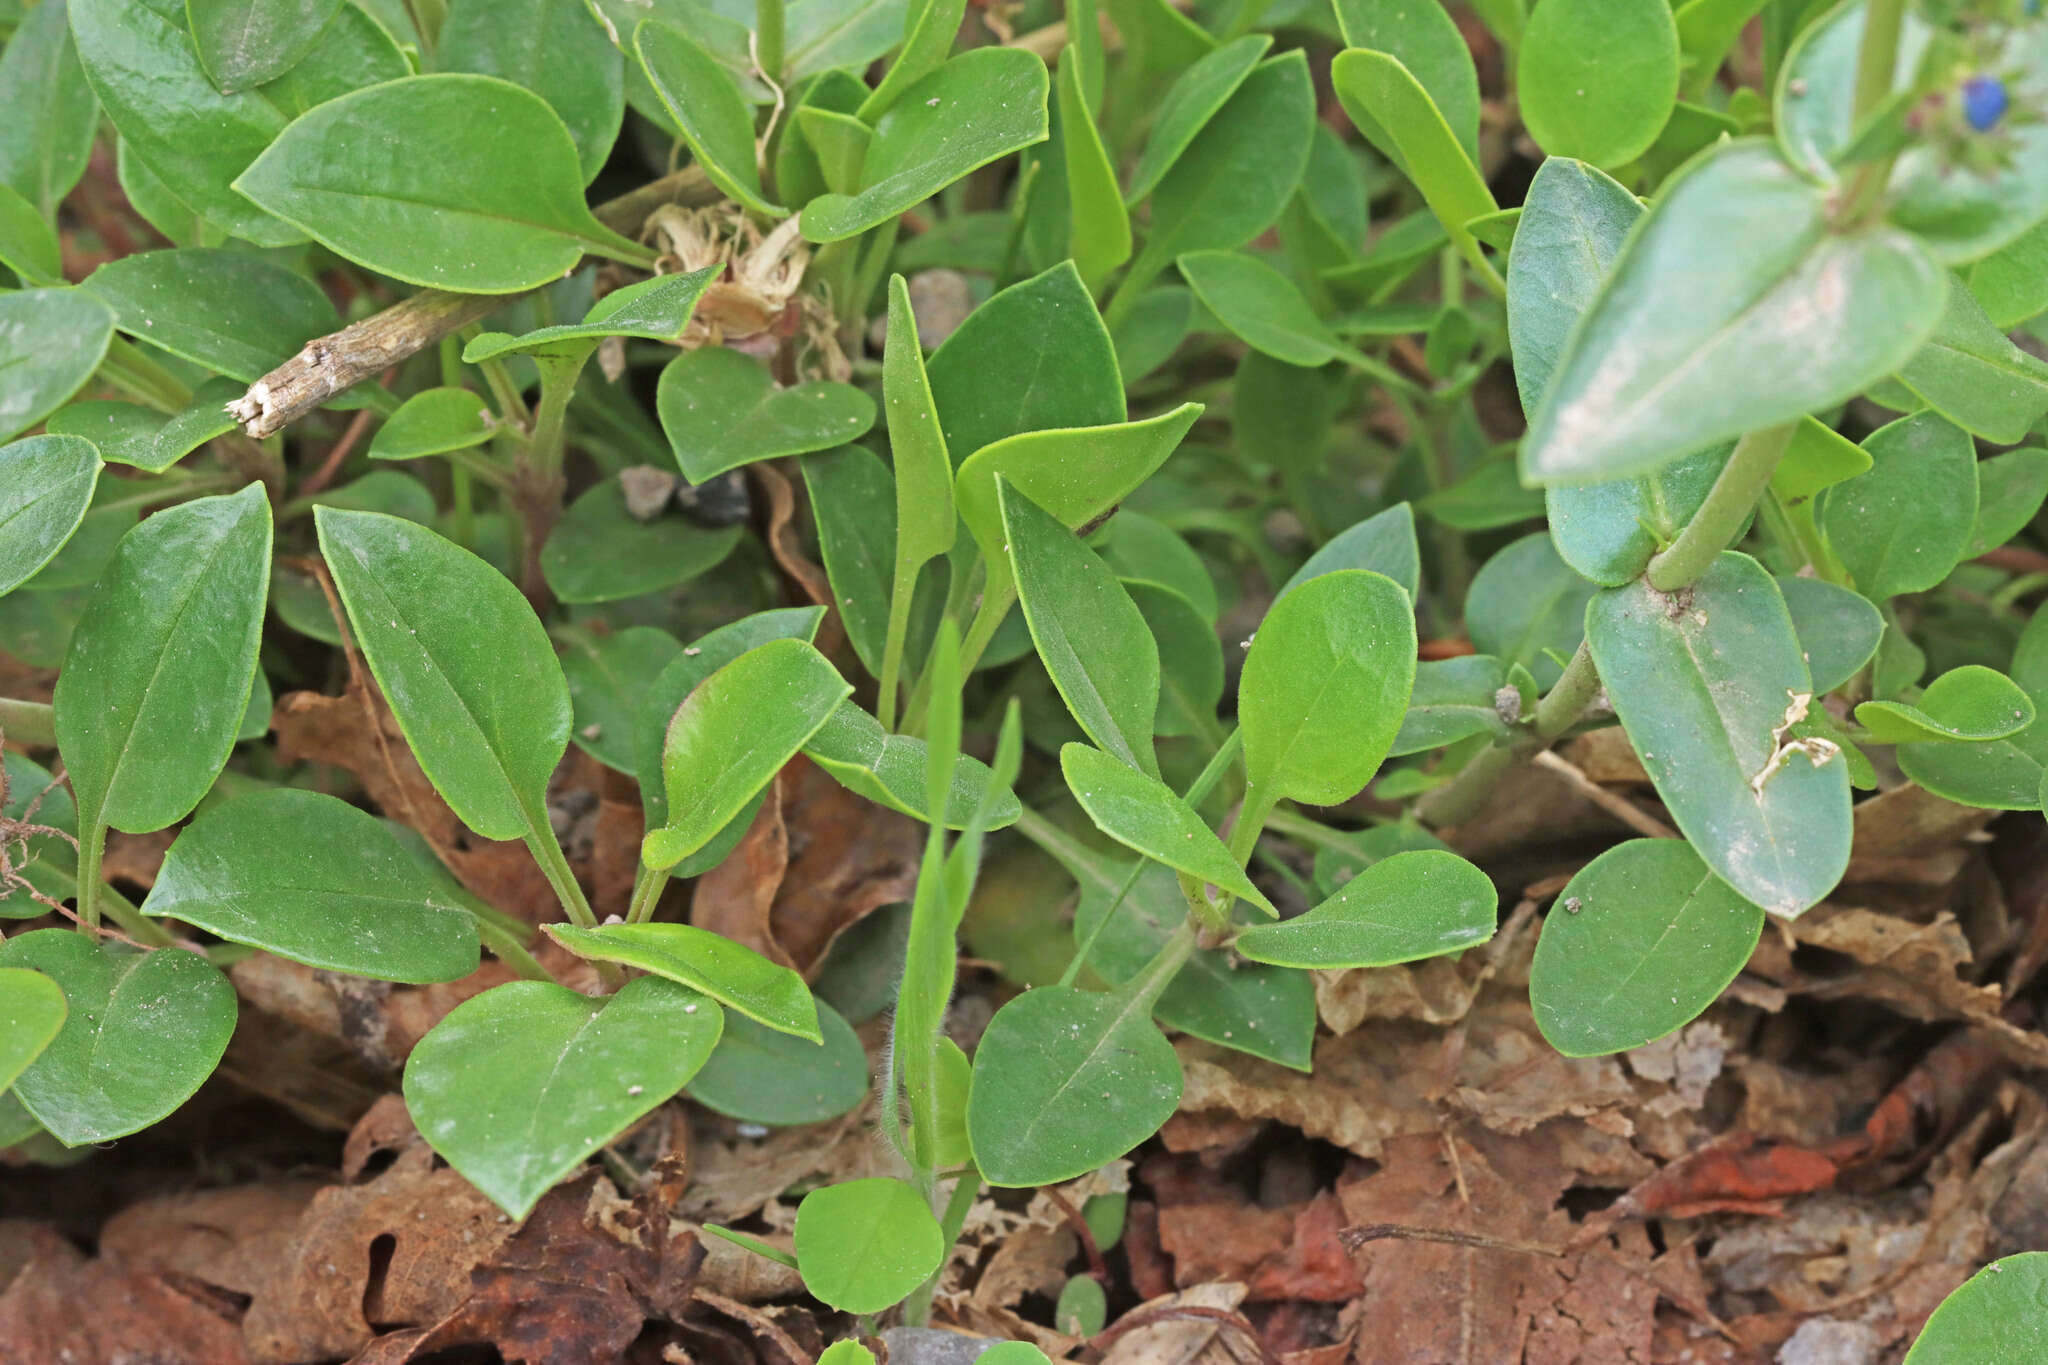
[28, 722]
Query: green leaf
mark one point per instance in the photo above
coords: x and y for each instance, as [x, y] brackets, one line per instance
[1903, 525]
[1405, 908]
[658, 309]
[317, 881]
[864, 1245]
[463, 661]
[1194, 99]
[840, 143]
[143, 1031]
[1099, 236]
[760, 1075]
[601, 552]
[893, 770]
[721, 410]
[845, 1352]
[1324, 688]
[1089, 634]
[723, 745]
[1527, 604]
[1490, 497]
[1838, 629]
[1262, 307]
[47, 862]
[515, 1087]
[1597, 79]
[1818, 457]
[52, 115]
[383, 490]
[1234, 179]
[556, 49]
[1705, 682]
[2010, 490]
[1641, 940]
[1064, 1081]
[1993, 1319]
[1143, 550]
[352, 51]
[200, 421]
[1282, 415]
[1190, 660]
[1972, 704]
[608, 677]
[708, 108]
[1384, 543]
[238, 314]
[2012, 282]
[158, 674]
[1424, 39]
[851, 34]
[244, 43]
[28, 245]
[53, 340]
[1453, 699]
[927, 42]
[1376, 90]
[732, 974]
[1143, 814]
[433, 422]
[32, 1011]
[854, 502]
[925, 522]
[979, 106]
[1035, 357]
[1971, 373]
[698, 661]
[449, 181]
[46, 483]
[1733, 307]
[192, 138]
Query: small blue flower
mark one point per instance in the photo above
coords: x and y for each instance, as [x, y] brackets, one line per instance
[1984, 102]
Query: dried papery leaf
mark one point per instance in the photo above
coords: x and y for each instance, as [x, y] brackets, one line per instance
[735, 897]
[230, 1238]
[63, 1307]
[1284, 1254]
[1162, 1331]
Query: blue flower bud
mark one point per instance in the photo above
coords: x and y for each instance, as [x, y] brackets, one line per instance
[1984, 102]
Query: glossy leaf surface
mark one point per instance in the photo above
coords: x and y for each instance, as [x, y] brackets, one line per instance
[32, 1009]
[555, 48]
[45, 142]
[1384, 543]
[864, 1245]
[46, 483]
[759, 1075]
[233, 312]
[1971, 704]
[244, 43]
[1194, 99]
[1144, 815]
[600, 552]
[715, 120]
[1838, 629]
[893, 770]
[1411, 906]
[53, 340]
[433, 422]
[721, 410]
[728, 972]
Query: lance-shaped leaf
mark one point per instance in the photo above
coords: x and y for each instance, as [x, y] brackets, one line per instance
[450, 181]
[730, 973]
[1325, 686]
[1598, 78]
[1384, 543]
[732, 734]
[1971, 704]
[515, 1087]
[53, 340]
[1194, 98]
[864, 1245]
[977, 107]
[464, 662]
[1903, 525]
[1735, 305]
[47, 139]
[1089, 634]
[143, 1032]
[1099, 228]
[433, 422]
[235, 313]
[32, 1009]
[244, 43]
[658, 310]
[1641, 940]
[315, 880]
[1035, 357]
[46, 483]
[158, 674]
[1262, 306]
[1971, 373]
[763, 1075]
[709, 109]
[1708, 683]
[892, 770]
[854, 502]
[722, 410]
[601, 552]
[1412, 906]
[1143, 814]
[1426, 40]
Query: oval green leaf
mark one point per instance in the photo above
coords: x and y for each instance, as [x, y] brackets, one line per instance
[46, 483]
[32, 1010]
[1412, 906]
[714, 118]
[1994, 1319]
[53, 340]
[1598, 78]
[721, 410]
[608, 677]
[600, 552]
[762, 1075]
[555, 48]
[1971, 704]
[1143, 814]
[728, 972]
[243, 43]
[892, 770]
[1904, 524]
[864, 1245]
[1838, 630]
[433, 422]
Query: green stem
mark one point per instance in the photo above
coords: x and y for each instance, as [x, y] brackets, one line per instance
[1251, 822]
[28, 722]
[1877, 56]
[1559, 710]
[1568, 698]
[1158, 974]
[768, 38]
[988, 618]
[1294, 825]
[132, 921]
[1722, 516]
[648, 884]
[507, 948]
[512, 407]
[554, 865]
[917, 1309]
[91, 844]
[892, 644]
[1142, 273]
[135, 374]
[557, 387]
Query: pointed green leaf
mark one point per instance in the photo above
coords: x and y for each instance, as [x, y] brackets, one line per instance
[124, 433]
[46, 483]
[317, 881]
[1035, 357]
[53, 340]
[158, 674]
[1384, 542]
[1425, 39]
[728, 972]
[433, 422]
[1705, 682]
[1143, 814]
[1971, 373]
[658, 309]
[893, 770]
[601, 552]
[864, 1245]
[1405, 908]
[449, 181]
[463, 661]
[925, 522]
[47, 138]
[1376, 90]
[721, 410]
[977, 107]
[707, 106]
[517, 1086]
[143, 1032]
[760, 1075]
[555, 48]
[1972, 704]
[32, 1010]
[1453, 699]
[1262, 307]
[28, 245]
[840, 144]
[1194, 99]
[1903, 525]
[2010, 490]
[1641, 940]
[854, 502]
[1099, 235]
[1734, 306]
[608, 677]
[236, 313]
[243, 43]
[1324, 688]
[1838, 629]
[1190, 659]
[1818, 457]
[1089, 634]
[201, 420]
[1598, 78]
[724, 744]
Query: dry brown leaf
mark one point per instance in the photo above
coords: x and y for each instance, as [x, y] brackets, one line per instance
[1278, 1254]
[66, 1310]
[1438, 990]
[230, 1238]
[732, 1178]
[736, 897]
[1168, 1340]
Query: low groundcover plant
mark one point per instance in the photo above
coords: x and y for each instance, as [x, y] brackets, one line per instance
[1757, 302]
